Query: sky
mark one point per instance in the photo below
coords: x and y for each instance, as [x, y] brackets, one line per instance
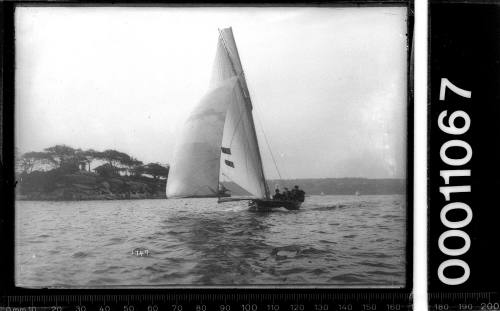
[328, 85]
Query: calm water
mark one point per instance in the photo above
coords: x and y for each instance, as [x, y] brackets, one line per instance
[332, 240]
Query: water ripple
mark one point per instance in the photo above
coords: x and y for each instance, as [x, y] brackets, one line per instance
[331, 240]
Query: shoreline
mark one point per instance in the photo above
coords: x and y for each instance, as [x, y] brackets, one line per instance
[17, 198]
[115, 197]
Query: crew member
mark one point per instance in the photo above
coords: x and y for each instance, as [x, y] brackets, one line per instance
[298, 194]
[277, 194]
[286, 194]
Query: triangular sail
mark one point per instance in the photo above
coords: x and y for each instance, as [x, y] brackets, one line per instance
[240, 162]
[195, 167]
[222, 123]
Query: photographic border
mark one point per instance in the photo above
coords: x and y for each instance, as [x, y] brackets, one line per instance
[7, 214]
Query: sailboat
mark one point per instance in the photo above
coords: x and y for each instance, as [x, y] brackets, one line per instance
[218, 141]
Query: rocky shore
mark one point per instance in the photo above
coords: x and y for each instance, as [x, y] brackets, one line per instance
[82, 185]
[51, 186]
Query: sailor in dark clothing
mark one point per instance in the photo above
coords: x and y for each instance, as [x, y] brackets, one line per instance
[298, 194]
[286, 194]
[277, 195]
[294, 193]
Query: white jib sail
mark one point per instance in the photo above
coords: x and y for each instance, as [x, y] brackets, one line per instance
[223, 118]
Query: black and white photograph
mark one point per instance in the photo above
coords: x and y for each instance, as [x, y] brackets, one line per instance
[211, 146]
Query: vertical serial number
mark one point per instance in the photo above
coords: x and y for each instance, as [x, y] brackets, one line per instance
[454, 123]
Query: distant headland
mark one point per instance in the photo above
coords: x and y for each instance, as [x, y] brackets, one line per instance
[62, 173]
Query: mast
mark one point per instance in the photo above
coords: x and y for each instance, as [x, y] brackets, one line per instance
[248, 101]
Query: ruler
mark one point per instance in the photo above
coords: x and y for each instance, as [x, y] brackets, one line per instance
[345, 301]
[464, 301]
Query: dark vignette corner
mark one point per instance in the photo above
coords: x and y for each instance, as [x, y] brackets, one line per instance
[7, 179]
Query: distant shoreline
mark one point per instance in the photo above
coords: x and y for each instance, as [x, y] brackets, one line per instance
[163, 198]
[57, 185]
[22, 198]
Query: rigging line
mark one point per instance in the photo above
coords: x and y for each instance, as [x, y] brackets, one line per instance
[268, 145]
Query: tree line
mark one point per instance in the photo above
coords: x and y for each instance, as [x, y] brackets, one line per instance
[66, 159]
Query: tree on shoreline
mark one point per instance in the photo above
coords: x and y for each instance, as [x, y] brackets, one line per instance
[117, 159]
[154, 169]
[63, 156]
[68, 159]
[29, 160]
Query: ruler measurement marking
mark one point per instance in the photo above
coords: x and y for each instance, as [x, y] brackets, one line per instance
[234, 300]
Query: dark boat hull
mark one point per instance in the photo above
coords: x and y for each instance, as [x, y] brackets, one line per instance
[267, 205]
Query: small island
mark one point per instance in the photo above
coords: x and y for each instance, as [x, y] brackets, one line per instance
[64, 173]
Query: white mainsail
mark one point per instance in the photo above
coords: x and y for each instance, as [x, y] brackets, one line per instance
[221, 124]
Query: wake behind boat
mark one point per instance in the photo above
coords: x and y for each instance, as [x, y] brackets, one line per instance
[218, 141]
